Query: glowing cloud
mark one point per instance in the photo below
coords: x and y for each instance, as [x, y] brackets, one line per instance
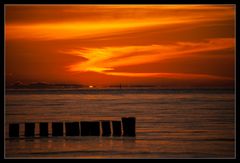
[102, 19]
[104, 60]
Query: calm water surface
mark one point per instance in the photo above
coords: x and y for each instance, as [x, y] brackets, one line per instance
[170, 123]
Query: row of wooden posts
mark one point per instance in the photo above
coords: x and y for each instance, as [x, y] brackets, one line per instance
[125, 127]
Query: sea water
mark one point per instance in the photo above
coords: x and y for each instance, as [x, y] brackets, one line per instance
[170, 123]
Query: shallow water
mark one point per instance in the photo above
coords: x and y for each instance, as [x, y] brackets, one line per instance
[169, 123]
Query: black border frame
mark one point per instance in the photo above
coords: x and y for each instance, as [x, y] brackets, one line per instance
[236, 2]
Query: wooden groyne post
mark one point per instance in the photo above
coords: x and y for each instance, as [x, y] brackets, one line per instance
[57, 128]
[90, 128]
[43, 127]
[72, 128]
[125, 127]
[106, 128]
[116, 128]
[13, 130]
[29, 129]
[129, 126]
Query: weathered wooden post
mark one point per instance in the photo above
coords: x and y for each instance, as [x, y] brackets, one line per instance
[29, 129]
[116, 128]
[129, 126]
[57, 128]
[126, 127]
[72, 128]
[13, 130]
[43, 129]
[90, 128]
[106, 128]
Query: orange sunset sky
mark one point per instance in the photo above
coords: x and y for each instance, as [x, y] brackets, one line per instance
[102, 45]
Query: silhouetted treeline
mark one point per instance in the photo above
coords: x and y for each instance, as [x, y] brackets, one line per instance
[44, 85]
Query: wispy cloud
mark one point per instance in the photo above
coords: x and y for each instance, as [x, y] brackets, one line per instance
[96, 20]
[104, 60]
